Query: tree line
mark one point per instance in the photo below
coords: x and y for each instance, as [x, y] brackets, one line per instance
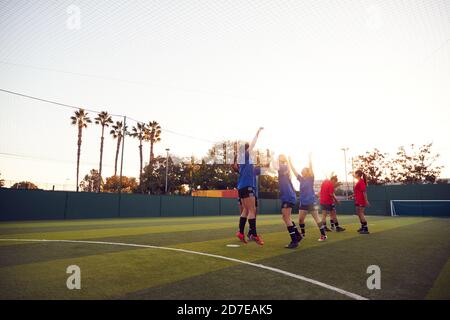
[213, 171]
[409, 165]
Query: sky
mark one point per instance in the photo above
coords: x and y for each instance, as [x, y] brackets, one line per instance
[317, 75]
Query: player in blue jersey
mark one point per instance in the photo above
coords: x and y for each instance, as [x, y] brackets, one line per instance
[288, 199]
[257, 170]
[308, 200]
[246, 190]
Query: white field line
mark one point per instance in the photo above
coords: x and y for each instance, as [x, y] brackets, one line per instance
[261, 266]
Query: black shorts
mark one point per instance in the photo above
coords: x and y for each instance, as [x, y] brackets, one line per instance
[328, 207]
[246, 192]
[307, 207]
[285, 205]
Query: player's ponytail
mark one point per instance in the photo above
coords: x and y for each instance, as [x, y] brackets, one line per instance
[361, 174]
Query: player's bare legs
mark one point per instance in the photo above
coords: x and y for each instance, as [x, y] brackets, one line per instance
[315, 215]
[324, 219]
[250, 206]
[301, 221]
[333, 218]
[286, 215]
[242, 222]
[334, 222]
[362, 218]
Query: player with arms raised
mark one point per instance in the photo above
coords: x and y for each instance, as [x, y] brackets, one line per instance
[246, 190]
[308, 199]
[288, 199]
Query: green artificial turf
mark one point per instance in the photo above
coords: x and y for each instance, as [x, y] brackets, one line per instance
[412, 252]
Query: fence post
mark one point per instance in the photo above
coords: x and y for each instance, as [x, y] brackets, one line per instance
[386, 201]
[65, 205]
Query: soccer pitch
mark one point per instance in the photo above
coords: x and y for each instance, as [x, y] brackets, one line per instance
[412, 253]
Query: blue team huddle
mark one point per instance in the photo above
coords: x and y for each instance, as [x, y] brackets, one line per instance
[308, 202]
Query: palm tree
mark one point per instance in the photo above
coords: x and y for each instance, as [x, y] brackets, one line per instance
[81, 120]
[153, 136]
[103, 119]
[139, 132]
[2, 182]
[117, 133]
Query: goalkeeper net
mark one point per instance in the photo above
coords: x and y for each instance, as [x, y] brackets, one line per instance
[420, 207]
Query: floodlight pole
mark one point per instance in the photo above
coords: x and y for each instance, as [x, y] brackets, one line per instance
[353, 170]
[345, 168]
[167, 165]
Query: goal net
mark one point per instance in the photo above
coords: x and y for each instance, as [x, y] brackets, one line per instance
[420, 207]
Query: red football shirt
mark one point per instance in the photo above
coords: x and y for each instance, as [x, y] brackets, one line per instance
[360, 188]
[326, 190]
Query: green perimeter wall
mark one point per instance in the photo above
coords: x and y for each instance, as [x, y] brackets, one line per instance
[39, 205]
[47, 205]
[380, 197]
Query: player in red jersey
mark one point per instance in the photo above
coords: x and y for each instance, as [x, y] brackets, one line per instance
[361, 200]
[328, 203]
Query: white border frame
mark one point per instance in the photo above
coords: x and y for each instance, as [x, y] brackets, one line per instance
[393, 213]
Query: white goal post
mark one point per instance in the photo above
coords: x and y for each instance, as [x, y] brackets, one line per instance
[394, 214]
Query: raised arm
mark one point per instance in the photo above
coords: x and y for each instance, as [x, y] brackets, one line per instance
[310, 164]
[292, 168]
[235, 165]
[255, 139]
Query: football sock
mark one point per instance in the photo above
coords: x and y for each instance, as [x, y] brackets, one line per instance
[332, 223]
[295, 229]
[302, 228]
[322, 229]
[364, 225]
[252, 223]
[242, 222]
[336, 223]
[291, 230]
